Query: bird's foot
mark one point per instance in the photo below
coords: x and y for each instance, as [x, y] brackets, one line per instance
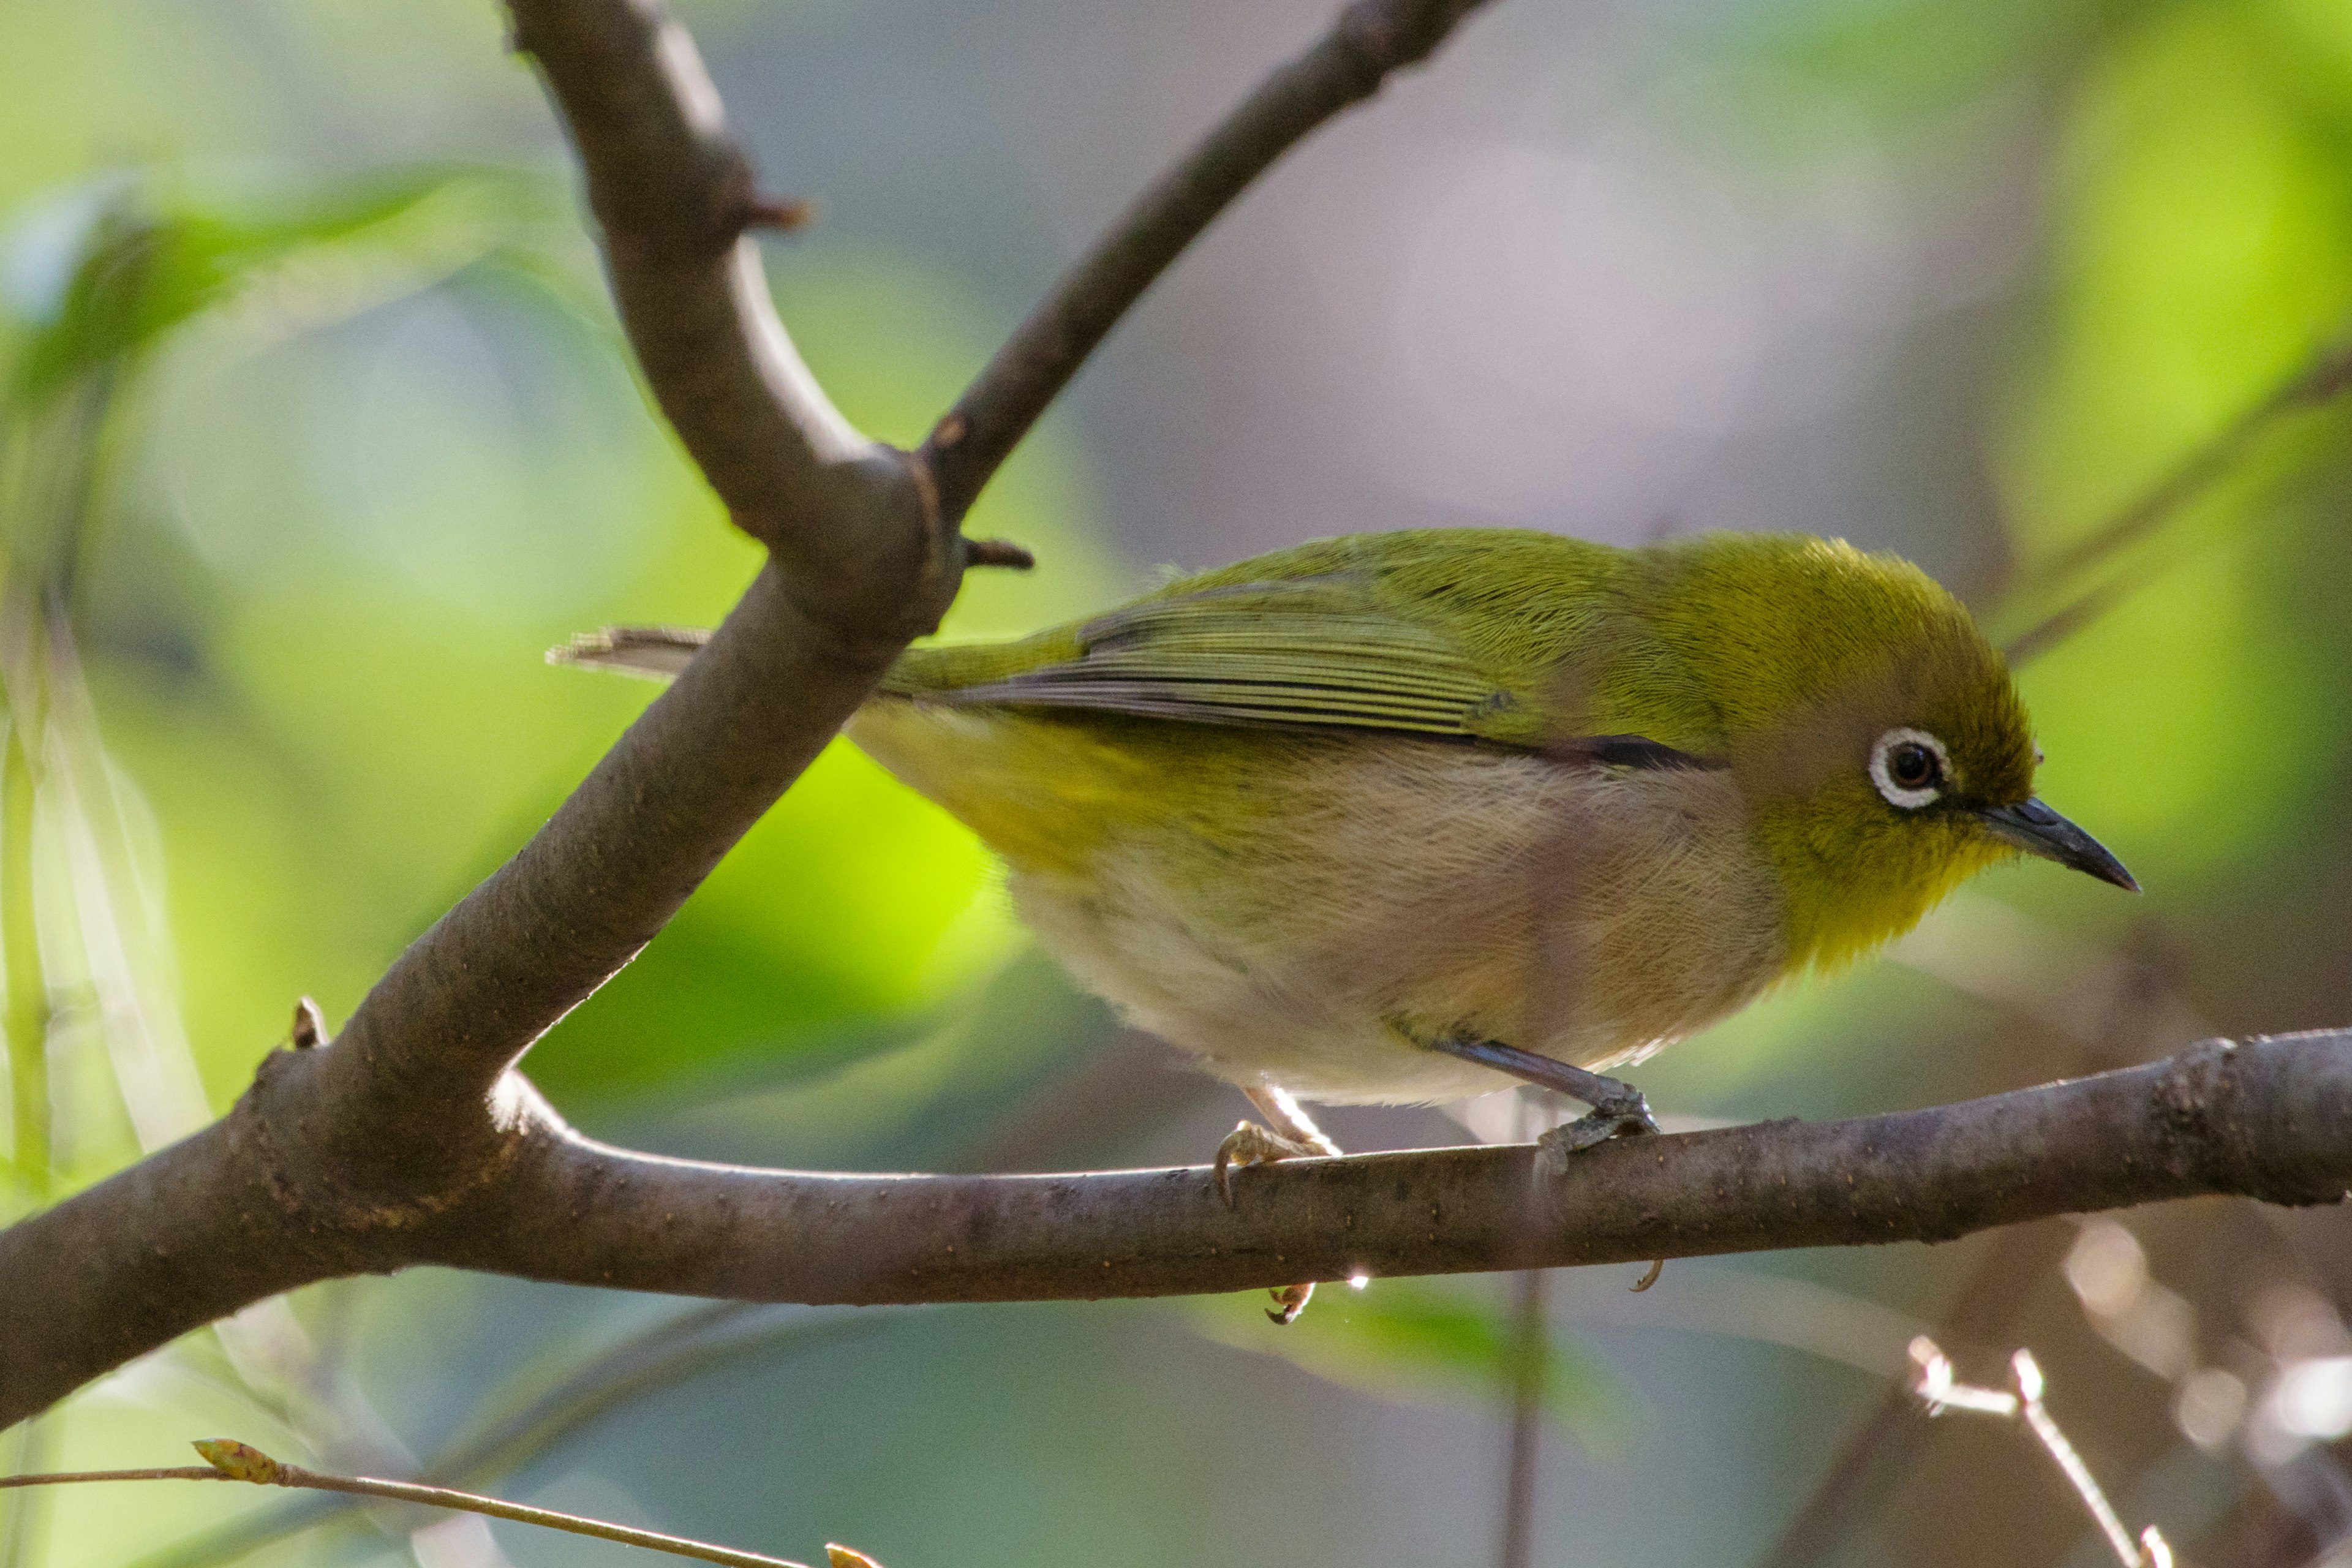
[1249, 1145]
[1618, 1108]
[1619, 1112]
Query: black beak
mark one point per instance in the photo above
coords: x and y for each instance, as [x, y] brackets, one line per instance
[2038, 831]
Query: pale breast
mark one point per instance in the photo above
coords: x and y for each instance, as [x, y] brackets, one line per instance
[1349, 896]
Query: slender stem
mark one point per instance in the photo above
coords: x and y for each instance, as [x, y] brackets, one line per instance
[75, 1477]
[1934, 1387]
[1372, 39]
[2327, 376]
[547, 1518]
[1887, 1439]
[234, 1461]
[1530, 1370]
[671, 1353]
[27, 1516]
[2070, 1463]
[28, 1013]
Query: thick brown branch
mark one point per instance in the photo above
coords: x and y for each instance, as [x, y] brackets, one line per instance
[2269, 1119]
[1372, 39]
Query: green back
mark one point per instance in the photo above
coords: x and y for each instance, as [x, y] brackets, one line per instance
[1502, 636]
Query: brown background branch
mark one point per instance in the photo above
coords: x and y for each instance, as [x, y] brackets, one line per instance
[1372, 39]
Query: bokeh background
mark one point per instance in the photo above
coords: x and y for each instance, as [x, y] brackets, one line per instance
[317, 431]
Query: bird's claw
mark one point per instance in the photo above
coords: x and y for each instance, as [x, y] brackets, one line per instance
[1619, 1112]
[1622, 1112]
[1289, 1301]
[1249, 1145]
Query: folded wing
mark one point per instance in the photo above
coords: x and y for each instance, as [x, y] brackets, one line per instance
[1312, 651]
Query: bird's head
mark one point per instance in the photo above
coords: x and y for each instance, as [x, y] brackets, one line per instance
[1883, 748]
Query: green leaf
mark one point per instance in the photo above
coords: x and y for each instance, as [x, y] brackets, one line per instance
[145, 266]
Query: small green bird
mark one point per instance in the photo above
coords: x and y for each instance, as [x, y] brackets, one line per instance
[1398, 818]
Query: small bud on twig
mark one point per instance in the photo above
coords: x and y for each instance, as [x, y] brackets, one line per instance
[239, 1461]
[997, 552]
[783, 215]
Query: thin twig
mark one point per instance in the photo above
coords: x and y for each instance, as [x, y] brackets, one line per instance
[230, 1460]
[670, 1353]
[1937, 1388]
[2073, 616]
[1885, 1440]
[1370, 40]
[1530, 1372]
[2028, 1373]
[2325, 376]
[74, 1478]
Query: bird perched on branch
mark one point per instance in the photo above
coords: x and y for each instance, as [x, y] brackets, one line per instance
[1399, 817]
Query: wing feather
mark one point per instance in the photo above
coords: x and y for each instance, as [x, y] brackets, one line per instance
[1316, 651]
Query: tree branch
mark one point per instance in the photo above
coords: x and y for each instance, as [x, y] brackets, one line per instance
[1371, 40]
[2266, 1119]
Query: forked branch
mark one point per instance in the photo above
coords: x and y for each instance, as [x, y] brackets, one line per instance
[415, 1115]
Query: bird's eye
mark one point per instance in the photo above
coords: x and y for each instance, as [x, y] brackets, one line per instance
[1909, 767]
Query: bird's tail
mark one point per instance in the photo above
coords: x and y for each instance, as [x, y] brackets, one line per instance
[660, 653]
[650, 653]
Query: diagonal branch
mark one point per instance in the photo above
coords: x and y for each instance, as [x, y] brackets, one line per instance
[2320, 380]
[675, 197]
[1371, 40]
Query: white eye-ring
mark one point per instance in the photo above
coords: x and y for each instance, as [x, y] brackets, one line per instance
[1909, 767]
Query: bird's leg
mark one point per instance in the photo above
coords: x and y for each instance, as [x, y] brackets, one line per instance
[1618, 1108]
[1248, 1143]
